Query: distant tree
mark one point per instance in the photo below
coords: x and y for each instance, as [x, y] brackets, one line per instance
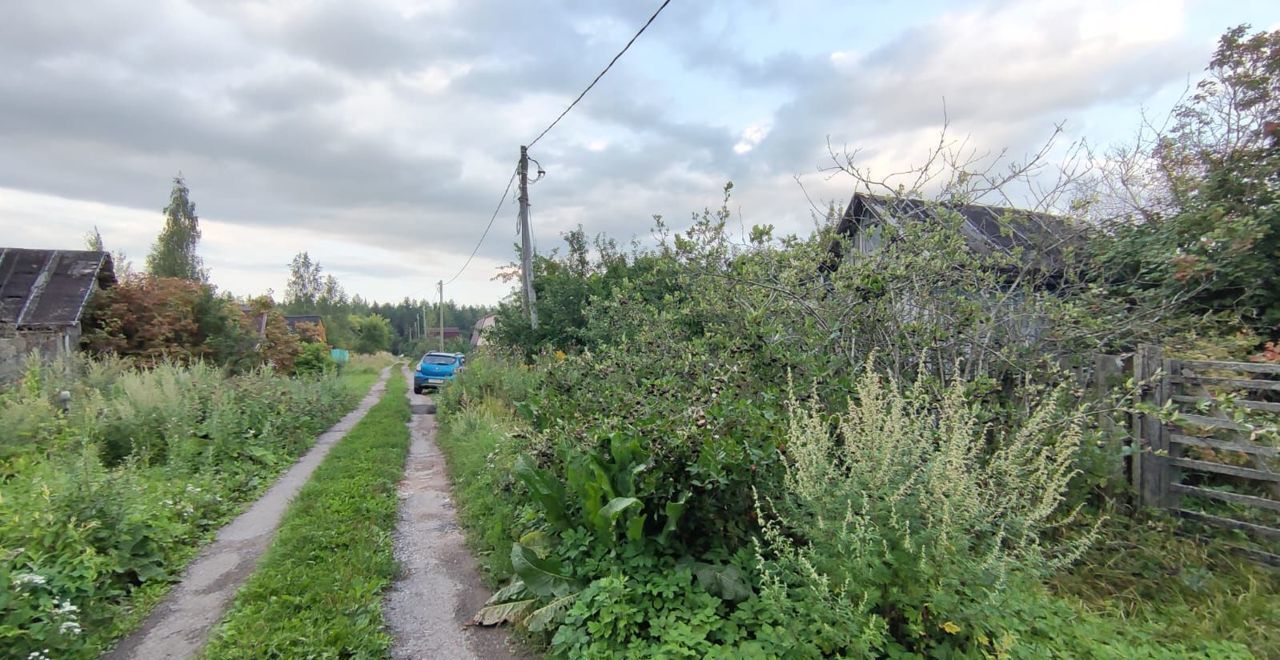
[306, 283]
[174, 252]
[331, 292]
[372, 333]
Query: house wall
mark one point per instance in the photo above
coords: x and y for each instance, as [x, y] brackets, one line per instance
[16, 347]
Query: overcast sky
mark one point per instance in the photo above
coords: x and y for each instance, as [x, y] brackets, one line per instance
[378, 135]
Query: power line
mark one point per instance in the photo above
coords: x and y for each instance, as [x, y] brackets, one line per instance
[486, 228]
[606, 70]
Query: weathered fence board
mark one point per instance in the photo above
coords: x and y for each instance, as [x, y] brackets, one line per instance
[1238, 498]
[1214, 422]
[1266, 406]
[1242, 383]
[1160, 438]
[1251, 367]
[1224, 445]
[1223, 468]
[1228, 523]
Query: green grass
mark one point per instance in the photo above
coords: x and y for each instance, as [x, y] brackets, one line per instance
[1142, 571]
[318, 591]
[482, 481]
[358, 382]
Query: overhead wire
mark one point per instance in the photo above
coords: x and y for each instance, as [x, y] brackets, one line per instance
[546, 130]
[487, 227]
[601, 75]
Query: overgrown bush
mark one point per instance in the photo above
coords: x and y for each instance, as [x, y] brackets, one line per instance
[314, 359]
[111, 498]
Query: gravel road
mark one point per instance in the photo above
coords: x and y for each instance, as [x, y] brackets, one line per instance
[439, 588]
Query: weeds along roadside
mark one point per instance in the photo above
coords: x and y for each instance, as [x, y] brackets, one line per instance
[928, 574]
[103, 506]
[318, 590]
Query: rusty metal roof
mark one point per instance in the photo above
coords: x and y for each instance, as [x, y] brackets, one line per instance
[49, 288]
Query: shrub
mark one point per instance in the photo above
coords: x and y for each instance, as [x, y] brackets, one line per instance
[314, 359]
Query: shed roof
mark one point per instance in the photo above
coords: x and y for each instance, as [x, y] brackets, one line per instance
[986, 229]
[49, 288]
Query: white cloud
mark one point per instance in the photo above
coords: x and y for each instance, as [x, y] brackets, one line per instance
[751, 136]
[381, 133]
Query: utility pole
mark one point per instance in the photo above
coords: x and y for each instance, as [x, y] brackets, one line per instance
[424, 319]
[440, 286]
[526, 243]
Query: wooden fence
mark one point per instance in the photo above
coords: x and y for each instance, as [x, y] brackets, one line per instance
[1203, 441]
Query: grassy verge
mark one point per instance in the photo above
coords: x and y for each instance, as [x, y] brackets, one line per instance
[318, 591]
[1142, 571]
[357, 383]
[482, 481]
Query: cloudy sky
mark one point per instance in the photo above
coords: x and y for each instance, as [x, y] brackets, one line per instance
[378, 134]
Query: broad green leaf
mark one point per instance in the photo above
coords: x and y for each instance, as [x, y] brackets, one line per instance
[725, 581]
[546, 490]
[635, 528]
[674, 511]
[538, 541]
[616, 506]
[542, 576]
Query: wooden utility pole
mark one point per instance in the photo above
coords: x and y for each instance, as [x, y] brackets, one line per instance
[440, 286]
[423, 335]
[526, 243]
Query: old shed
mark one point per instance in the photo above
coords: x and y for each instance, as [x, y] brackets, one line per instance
[43, 294]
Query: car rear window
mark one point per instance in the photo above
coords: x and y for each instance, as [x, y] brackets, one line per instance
[437, 359]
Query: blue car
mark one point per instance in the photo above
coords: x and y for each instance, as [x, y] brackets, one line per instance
[435, 370]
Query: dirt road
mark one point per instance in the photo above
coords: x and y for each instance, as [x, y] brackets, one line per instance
[439, 589]
[180, 624]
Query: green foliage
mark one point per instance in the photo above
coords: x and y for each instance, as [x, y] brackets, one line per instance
[314, 359]
[318, 591]
[940, 466]
[102, 506]
[174, 252]
[482, 446]
[903, 525]
[372, 333]
[1210, 243]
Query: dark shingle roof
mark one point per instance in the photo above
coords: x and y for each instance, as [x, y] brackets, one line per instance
[1042, 236]
[49, 288]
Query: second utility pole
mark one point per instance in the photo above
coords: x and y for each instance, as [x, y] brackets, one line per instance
[440, 285]
[526, 244]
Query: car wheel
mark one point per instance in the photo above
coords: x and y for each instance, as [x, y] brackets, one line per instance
[417, 390]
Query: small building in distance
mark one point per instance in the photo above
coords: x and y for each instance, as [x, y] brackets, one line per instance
[43, 295]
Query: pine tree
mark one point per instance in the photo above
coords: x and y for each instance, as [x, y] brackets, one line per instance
[174, 252]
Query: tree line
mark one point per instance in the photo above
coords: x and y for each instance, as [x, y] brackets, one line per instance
[170, 311]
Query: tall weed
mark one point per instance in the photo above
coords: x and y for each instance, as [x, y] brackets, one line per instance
[907, 526]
